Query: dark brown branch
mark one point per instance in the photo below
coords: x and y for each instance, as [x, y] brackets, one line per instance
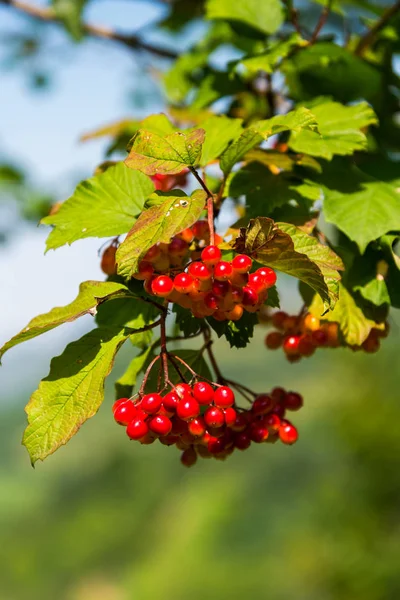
[130, 41]
[293, 16]
[321, 21]
[369, 37]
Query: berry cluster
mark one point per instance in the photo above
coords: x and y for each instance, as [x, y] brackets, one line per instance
[198, 279]
[203, 420]
[300, 336]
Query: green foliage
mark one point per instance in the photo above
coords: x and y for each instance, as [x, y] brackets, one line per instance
[284, 247]
[289, 132]
[339, 130]
[266, 17]
[354, 324]
[158, 224]
[152, 153]
[72, 392]
[119, 193]
[91, 294]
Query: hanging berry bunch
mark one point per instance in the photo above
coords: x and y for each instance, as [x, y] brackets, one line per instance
[202, 418]
[301, 335]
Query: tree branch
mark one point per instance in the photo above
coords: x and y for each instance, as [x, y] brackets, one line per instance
[130, 41]
[368, 38]
[321, 22]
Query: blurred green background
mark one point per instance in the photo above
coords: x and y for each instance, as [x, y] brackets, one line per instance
[108, 519]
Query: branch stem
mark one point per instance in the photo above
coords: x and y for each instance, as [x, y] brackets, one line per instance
[369, 37]
[133, 42]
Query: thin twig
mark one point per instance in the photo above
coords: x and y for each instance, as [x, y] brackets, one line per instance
[132, 42]
[145, 328]
[210, 204]
[294, 16]
[321, 22]
[369, 37]
[146, 375]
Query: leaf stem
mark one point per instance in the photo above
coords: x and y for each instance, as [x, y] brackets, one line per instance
[210, 204]
[321, 22]
[132, 42]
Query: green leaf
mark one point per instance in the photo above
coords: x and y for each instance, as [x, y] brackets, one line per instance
[131, 313]
[70, 13]
[327, 69]
[374, 291]
[266, 16]
[178, 81]
[354, 325]
[71, 393]
[363, 207]
[185, 321]
[158, 224]
[295, 121]
[103, 206]
[91, 295]
[125, 384]
[281, 160]
[339, 130]
[265, 191]
[284, 247]
[152, 153]
[219, 130]
[268, 60]
[273, 298]
[237, 333]
[389, 243]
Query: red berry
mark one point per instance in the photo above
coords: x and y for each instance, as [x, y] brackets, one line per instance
[262, 405]
[183, 283]
[216, 445]
[221, 288]
[214, 417]
[203, 392]
[211, 255]
[183, 389]
[224, 397]
[161, 425]
[108, 264]
[211, 301]
[250, 296]
[197, 427]
[319, 337]
[162, 286]
[306, 345]
[278, 319]
[151, 403]
[268, 275]
[278, 394]
[200, 230]
[199, 270]
[242, 441]
[152, 254]
[178, 247]
[242, 263]
[188, 408]
[288, 433]
[279, 410]
[170, 401]
[293, 401]
[137, 429]
[189, 457]
[230, 416]
[273, 341]
[179, 427]
[256, 282]
[291, 345]
[258, 433]
[240, 422]
[124, 411]
[272, 421]
[145, 271]
[223, 270]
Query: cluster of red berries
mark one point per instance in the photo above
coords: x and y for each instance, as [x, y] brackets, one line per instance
[203, 420]
[208, 285]
[300, 336]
